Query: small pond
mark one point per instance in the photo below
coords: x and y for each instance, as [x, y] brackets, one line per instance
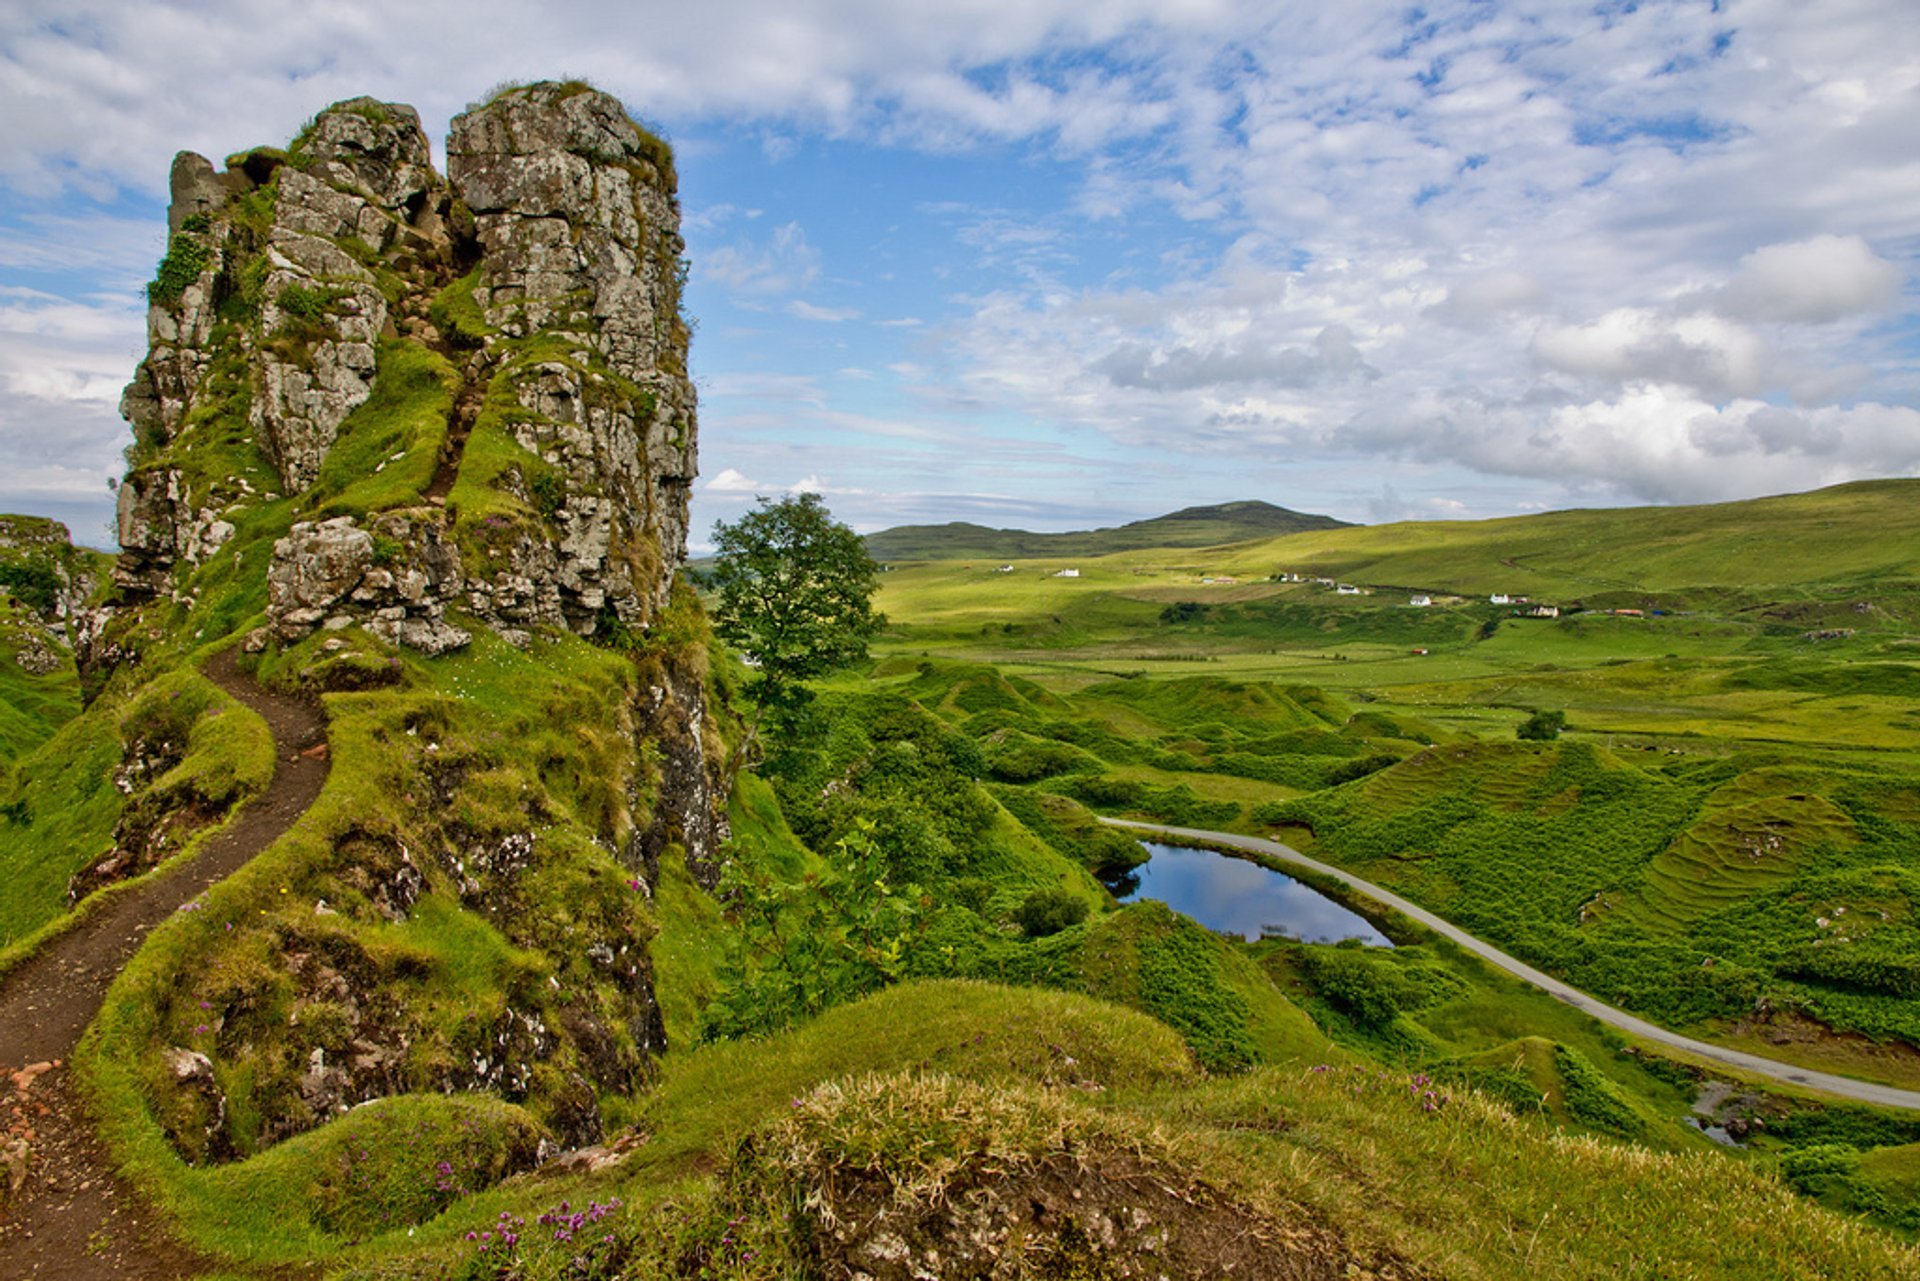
[1238, 896]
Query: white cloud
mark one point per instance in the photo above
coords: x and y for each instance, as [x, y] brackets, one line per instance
[1488, 294]
[803, 310]
[1820, 279]
[1632, 344]
[1653, 251]
[730, 481]
[1247, 358]
[783, 264]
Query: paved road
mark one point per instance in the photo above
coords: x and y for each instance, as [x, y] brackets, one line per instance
[1846, 1087]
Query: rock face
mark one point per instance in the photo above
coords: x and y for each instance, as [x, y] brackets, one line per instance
[419, 409]
[547, 270]
[574, 214]
[543, 274]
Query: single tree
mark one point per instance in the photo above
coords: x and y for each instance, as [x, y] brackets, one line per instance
[793, 592]
[1542, 727]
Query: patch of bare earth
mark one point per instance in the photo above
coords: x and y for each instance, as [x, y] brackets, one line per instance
[65, 1212]
[1078, 1216]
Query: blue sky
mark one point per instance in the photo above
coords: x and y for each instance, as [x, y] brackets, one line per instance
[1039, 263]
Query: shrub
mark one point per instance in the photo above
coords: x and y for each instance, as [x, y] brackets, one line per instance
[187, 256]
[1359, 767]
[1591, 1098]
[1048, 911]
[1541, 727]
[34, 585]
[307, 304]
[1352, 983]
[548, 492]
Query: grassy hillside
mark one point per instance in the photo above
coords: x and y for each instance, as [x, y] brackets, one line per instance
[485, 1011]
[39, 690]
[928, 1107]
[42, 576]
[1190, 527]
[1857, 533]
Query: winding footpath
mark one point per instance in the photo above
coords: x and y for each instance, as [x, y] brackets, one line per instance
[1773, 1069]
[76, 1219]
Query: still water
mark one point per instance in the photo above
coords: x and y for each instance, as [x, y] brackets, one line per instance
[1237, 896]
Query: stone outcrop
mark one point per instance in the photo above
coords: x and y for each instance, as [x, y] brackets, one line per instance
[545, 269]
[420, 409]
[559, 222]
[158, 528]
[40, 566]
[334, 574]
[574, 214]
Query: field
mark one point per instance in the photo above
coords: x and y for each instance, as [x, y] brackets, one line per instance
[914, 968]
[1725, 837]
[1730, 797]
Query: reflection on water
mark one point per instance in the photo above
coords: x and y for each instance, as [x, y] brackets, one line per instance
[1237, 896]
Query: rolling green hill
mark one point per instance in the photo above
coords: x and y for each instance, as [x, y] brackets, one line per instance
[1858, 532]
[573, 935]
[1189, 527]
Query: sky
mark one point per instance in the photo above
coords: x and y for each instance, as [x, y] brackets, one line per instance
[1054, 265]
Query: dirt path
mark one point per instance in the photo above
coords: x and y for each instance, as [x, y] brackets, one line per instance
[1773, 1069]
[76, 1219]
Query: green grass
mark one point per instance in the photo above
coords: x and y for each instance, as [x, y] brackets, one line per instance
[32, 707]
[67, 786]
[462, 905]
[1474, 1192]
[388, 447]
[916, 1079]
[488, 949]
[377, 1171]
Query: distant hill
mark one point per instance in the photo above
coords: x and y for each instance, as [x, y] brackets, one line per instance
[1853, 533]
[1190, 527]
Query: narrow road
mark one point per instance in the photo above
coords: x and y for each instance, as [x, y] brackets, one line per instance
[76, 1219]
[1845, 1087]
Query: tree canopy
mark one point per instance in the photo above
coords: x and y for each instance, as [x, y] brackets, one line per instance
[1542, 727]
[794, 592]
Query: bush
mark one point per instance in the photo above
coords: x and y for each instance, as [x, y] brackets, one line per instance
[1591, 1098]
[1359, 767]
[1352, 983]
[1048, 911]
[1541, 727]
[33, 585]
[1818, 1169]
[548, 492]
[1021, 758]
[186, 258]
[1860, 969]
